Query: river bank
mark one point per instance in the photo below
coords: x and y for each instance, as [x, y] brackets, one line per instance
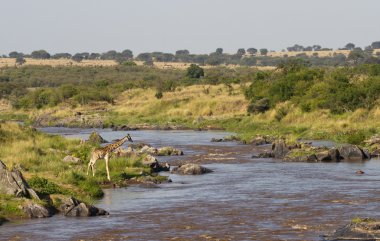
[262, 199]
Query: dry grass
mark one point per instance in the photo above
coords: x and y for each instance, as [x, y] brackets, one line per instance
[10, 62]
[215, 102]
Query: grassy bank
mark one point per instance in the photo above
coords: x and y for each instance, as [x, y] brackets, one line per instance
[217, 106]
[40, 156]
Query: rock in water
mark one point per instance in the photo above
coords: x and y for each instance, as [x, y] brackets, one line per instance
[74, 208]
[34, 210]
[95, 138]
[280, 149]
[191, 169]
[359, 229]
[13, 183]
[351, 152]
[169, 151]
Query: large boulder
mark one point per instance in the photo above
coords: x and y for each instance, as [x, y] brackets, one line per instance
[72, 160]
[13, 183]
[261, 140]
[190, 169]
[352, 152]
[34, 210]
[329, 155]
[149, 150]
[358, 229]
[280, 149]
[153, 163]
[96, 138]
[169, 151]
[74, 208]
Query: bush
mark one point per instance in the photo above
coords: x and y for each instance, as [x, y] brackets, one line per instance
[44, 186]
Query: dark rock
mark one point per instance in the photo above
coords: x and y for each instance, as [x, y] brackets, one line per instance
[324, 156]
[191, 169]
[74, 208]
[280, 149]
[362, 229]
[95, 138]
[72, 160]
[351, 152]
[34, 210]
[153, 163]
[334, 155]
[123, 128]
[366, 153]
[13, 183]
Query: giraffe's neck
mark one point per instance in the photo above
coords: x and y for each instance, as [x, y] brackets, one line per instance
[113, 146]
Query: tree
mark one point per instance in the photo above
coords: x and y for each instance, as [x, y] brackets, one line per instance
[144, 57]
[317, 47]
[15, 54]
[356, 55]
[20, 60]
[128, 54]
[219, 51]
[61, 56]
[77, 57]
[350, 46]
[182, 52]
[94, 56]
[264, 52]
[240, 52]
[376, 45]
[194, 71]
[252, 51]
[40, 54]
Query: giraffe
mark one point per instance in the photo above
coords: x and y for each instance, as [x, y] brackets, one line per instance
[105, 153]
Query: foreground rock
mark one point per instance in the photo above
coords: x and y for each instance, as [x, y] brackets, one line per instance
[155, 166]
[34, 210]
[13, 183]
[358, 229]
[191, 169]
[353, 152]
[72, 160]
[74, 208]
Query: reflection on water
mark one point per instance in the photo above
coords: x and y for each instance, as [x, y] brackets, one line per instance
[262, 199]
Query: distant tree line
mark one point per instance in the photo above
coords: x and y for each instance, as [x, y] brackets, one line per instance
[245, 57]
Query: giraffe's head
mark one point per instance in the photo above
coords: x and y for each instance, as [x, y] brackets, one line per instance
[128, 137]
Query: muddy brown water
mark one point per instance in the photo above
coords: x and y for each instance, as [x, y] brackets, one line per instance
[243, 199]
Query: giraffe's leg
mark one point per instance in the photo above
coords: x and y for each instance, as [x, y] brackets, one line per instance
[89, 165]
[106, 158]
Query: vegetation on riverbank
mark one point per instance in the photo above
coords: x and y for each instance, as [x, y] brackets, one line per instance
[40, 156]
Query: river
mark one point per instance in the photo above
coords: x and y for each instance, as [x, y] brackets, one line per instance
[243, 199]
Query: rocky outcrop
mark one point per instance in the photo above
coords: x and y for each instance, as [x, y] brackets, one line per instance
[155, 166]
[74, 208]
[149, 150]
[34, 210]
[72, 160]
[191, 169]
[359, 229]
[280, 149]
[13, 183]
[169, 151]
[353, 152]
[95, 138]
[261, 140]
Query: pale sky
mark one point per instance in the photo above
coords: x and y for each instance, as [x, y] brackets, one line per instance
[200, 26]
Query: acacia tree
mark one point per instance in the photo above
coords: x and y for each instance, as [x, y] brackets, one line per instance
[252, 51]
[350, 46]
[40, 54]
[264, 52]
[194, 71]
